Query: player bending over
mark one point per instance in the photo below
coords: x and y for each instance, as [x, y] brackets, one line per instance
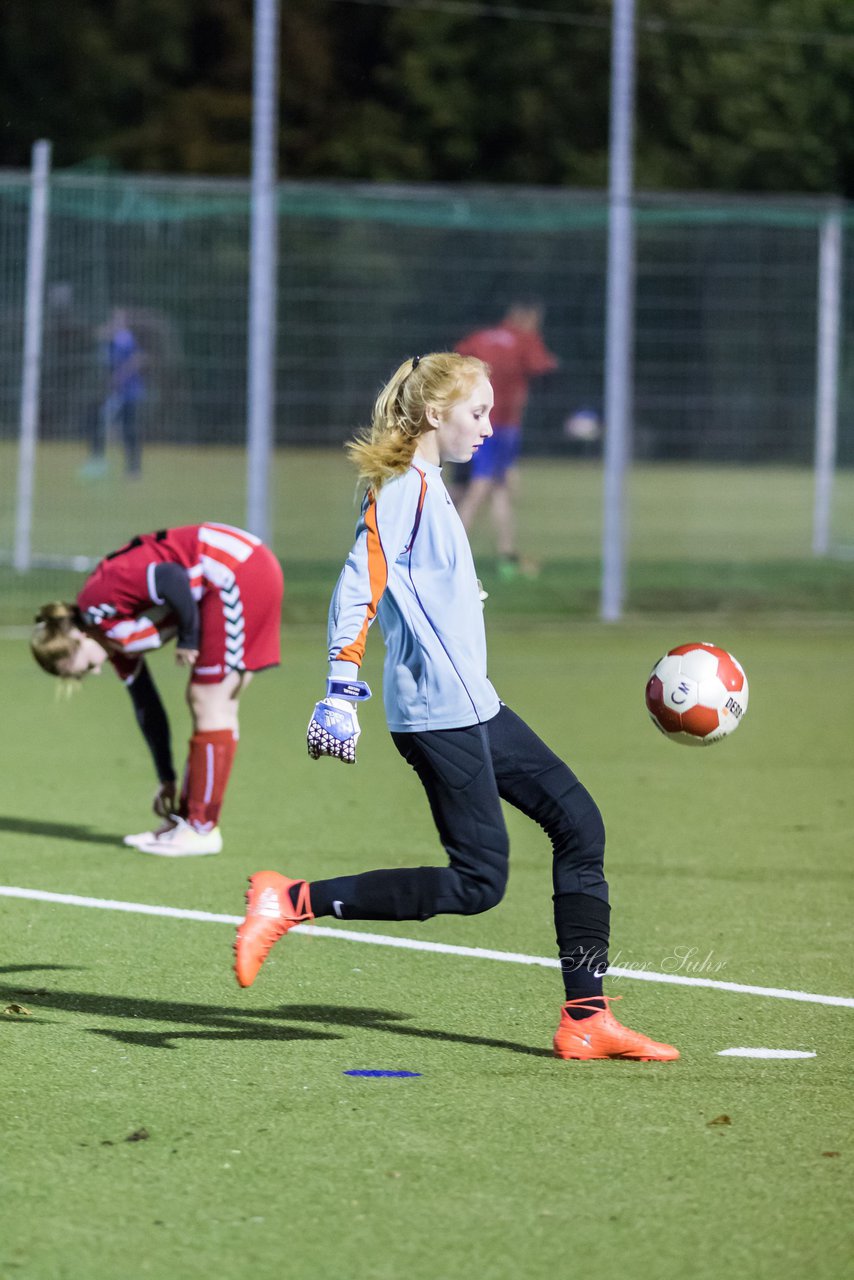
[218, 591]
[411, 567]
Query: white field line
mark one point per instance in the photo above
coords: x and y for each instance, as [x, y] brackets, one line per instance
[764, 1053]
[416, 944]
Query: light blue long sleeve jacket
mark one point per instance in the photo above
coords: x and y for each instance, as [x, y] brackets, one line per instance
[411, 567]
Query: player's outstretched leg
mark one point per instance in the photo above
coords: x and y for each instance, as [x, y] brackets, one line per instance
[274, 904]
[602, 1036]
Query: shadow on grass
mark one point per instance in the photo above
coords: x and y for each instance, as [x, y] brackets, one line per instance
[215, 1022]
[36, 968]
[56, 830]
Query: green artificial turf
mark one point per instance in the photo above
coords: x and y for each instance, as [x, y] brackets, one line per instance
[158, 1121]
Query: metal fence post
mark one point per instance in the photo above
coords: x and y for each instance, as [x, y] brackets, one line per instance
[261, 382]
[619, 338]
[827, 377]
[31, 374]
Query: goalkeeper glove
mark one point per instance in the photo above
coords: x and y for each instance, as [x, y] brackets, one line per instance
[333, 729]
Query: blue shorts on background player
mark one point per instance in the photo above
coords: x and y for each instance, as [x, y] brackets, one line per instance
[497, 455]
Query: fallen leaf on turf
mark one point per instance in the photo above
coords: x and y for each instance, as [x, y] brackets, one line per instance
[17, 1009]
[720, 1120]
[139, 1135]
[831, 1153]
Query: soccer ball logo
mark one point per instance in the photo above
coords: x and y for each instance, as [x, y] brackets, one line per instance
[697, 694]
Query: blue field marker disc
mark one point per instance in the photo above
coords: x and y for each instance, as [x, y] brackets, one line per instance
[374, 1074]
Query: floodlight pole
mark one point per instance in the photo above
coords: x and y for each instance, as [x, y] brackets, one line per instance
[31, 375]
[261, 376]
[619, 339]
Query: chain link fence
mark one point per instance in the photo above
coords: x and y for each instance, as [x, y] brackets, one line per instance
[725, 352]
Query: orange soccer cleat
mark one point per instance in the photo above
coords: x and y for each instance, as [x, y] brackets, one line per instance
[270, 912]
[602, 1036]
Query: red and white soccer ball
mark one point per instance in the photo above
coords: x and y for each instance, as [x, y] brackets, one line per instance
[697, 694]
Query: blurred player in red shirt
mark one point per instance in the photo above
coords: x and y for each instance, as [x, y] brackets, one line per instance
[515, 353]
[217, 591]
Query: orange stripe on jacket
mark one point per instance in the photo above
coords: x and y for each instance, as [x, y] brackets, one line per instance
[377, 577]
[422, 495]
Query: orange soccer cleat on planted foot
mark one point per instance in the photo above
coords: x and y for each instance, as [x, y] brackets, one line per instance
[270, 912]
[602, 1036]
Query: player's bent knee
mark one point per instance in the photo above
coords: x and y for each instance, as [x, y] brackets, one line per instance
[584, 819]
[481, 895]
[594, 828]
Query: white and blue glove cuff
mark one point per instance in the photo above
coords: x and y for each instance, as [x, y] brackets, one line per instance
[351, 690]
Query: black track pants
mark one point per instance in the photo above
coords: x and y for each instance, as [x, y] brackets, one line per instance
[466, 772]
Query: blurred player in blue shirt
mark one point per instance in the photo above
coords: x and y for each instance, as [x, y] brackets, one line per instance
[123, 359]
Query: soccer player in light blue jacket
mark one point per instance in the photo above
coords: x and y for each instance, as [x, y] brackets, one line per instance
[411, 569]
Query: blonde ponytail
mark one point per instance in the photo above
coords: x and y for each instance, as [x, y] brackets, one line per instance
[399, 419]
[55, 636]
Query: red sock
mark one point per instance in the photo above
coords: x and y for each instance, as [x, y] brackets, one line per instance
[209, 762]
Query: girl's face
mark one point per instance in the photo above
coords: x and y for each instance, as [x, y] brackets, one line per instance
[460, 429]
[87, 658]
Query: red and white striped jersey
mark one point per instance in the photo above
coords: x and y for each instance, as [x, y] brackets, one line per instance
[120, 602]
